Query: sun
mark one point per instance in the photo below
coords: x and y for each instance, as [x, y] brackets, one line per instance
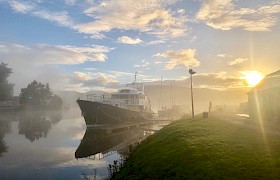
[252, 77]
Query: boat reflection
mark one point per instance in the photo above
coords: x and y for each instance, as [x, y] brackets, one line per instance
[99, 141]
[5, 127]
[36, 124]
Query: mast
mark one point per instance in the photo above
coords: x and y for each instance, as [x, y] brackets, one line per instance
[135, 77]
[174, 94]
[171, 93]
[160, 94]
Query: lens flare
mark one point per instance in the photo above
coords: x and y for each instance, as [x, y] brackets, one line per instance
[252, 77]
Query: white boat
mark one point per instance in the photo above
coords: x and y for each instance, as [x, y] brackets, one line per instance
[128, 105]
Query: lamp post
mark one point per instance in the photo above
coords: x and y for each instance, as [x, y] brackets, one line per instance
[191, 73]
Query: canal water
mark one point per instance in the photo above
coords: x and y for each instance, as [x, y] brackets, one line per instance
[57, 145]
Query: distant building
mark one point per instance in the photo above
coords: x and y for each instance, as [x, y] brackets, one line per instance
[264, 99]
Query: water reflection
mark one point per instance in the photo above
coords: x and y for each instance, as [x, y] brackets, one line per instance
[96, 141]
[53, 157]
[55, 116]
[36, 124]
[5, 127]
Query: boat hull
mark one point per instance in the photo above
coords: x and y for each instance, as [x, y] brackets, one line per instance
[96, 113]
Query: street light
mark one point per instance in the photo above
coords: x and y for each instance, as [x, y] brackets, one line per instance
[191, 73]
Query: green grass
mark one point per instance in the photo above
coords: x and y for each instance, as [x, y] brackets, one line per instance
[205, 149]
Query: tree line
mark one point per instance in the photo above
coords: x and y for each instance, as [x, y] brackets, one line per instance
[36, 94]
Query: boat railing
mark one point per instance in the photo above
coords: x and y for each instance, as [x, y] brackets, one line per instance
[99, 97]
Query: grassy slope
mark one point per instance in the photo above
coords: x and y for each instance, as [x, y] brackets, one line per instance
[205, 148]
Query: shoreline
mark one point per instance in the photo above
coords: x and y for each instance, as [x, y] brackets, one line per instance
[210, 148]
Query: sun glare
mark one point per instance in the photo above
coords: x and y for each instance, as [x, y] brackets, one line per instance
[252, 77]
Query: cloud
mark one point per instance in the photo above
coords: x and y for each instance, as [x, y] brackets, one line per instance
[101, 81]
[273, 9]
[237, 61]
[40, 62]
[42, 54]
[25, 73]
[224, 55]
[121, 74]
[224, 15]
[181, 11]
[184, 57]
[129, 40]
[155, 42]
[158, 62]
[82, 76]
[97, 79]
[218, 81]
[144, 63]
[61, 18]
[21, 6]
[150, 17]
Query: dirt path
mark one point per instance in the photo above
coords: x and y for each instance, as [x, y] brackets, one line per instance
[245, 122]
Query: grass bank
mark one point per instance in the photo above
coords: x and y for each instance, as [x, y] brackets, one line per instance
[205, 149]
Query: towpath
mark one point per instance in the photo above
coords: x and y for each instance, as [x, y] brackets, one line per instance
[247, 122]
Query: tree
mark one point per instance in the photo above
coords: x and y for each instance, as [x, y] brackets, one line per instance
[6, 88]
[36, 94]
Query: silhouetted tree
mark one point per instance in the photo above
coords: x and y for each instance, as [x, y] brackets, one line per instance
[36, 94]
[6, 88]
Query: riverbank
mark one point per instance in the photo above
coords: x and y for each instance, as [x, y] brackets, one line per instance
[219, 147]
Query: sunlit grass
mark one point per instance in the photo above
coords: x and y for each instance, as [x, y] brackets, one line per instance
[205, 149]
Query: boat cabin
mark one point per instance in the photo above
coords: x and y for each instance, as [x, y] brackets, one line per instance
[131, 99]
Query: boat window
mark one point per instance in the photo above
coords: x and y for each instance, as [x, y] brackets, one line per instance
[117, 96]
[123, 96]
[125, 91]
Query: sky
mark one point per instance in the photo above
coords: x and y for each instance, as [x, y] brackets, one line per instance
[82, 45]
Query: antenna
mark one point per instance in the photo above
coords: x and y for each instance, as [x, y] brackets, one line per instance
[135, 77]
